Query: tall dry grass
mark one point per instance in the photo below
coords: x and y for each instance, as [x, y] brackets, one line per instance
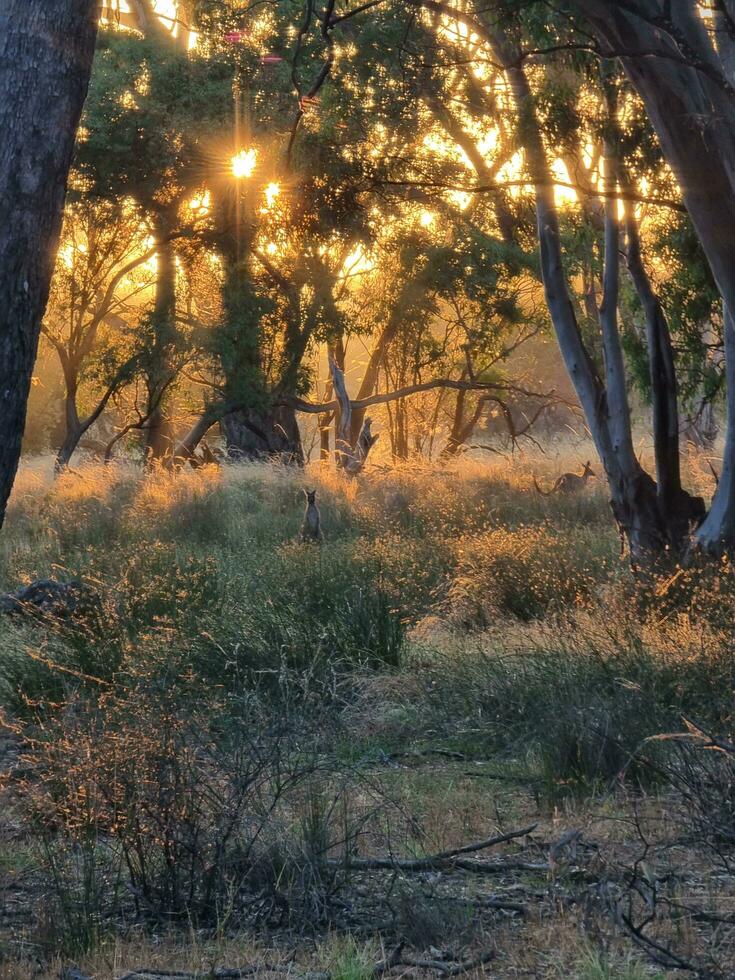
[450, 609]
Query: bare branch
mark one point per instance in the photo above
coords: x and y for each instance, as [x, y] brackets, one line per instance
[314, 408]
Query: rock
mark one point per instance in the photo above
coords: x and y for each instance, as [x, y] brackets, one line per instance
[61, 600]
[73, 973]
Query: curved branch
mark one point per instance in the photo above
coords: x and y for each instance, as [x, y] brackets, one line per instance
[313, 408]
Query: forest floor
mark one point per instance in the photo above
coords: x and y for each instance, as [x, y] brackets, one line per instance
[258, 755]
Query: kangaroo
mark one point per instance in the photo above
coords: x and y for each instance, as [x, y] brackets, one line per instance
[311, 529]
[568, 482]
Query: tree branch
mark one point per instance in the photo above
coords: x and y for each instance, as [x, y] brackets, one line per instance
[313, 408]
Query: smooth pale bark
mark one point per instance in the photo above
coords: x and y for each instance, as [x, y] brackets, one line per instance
[337, 351]
[580, 368]
[46, 52]
[618, 413]
[350, 457]
[716, 529]
[694, 118]
[633, 494]
[662, 373]
[343, 426]
[692, 108]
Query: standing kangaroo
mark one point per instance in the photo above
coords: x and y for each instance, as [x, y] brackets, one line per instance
[568, 482]
[311, 529]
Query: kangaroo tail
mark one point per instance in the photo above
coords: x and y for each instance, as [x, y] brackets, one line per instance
[544, 493]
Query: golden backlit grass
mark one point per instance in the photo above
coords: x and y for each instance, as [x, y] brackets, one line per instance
[449, 609]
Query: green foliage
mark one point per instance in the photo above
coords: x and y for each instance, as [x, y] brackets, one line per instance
[150, 119]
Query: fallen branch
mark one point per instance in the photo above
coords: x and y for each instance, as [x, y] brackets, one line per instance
[222, 973]
[391, 962]
[655, 951]
[387, 964]
[449, 969]
[451, 858]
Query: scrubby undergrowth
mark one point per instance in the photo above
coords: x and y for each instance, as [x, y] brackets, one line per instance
[246, 716]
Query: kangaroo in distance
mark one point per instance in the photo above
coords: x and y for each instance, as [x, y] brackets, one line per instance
[311, 529]
[568, 482]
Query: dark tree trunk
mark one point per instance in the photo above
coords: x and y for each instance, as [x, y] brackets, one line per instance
[73, 429]
[463, 428]
[678, 509]
[255, 435]
[457, 434]
[400, 438]
[46, 52]
[159, 434]
[411, 290]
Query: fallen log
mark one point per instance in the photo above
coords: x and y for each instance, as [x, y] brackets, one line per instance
[433, 862]
[450, 968]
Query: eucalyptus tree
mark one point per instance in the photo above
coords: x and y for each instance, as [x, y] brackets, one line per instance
[681, 64]
[655, 515]
[154, 120]
[102, 273]
[46, 52]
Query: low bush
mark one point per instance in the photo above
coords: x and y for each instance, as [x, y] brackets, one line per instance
[162, 803]
[578, 703]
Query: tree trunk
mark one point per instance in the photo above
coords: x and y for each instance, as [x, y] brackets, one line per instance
[46, 51]
[693, 112]
[188, 445]
[679, 510]
[73, 430]
[411, 290]
[632, 491]
[699, 425]
[717, 532]
[351, 457]
[456, 436]
[159, 434]
[463, 428]
[335, 351]
[254, 434]
[325, 447]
